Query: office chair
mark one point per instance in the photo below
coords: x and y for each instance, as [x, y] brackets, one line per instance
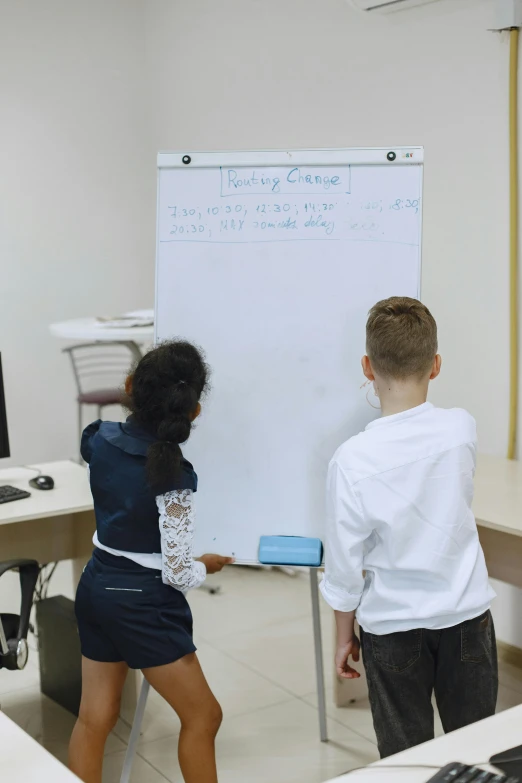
[99, 370]
[14, 628]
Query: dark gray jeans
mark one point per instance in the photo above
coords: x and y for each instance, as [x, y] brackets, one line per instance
[403, 670]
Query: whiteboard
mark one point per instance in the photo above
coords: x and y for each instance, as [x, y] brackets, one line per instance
[270, 261]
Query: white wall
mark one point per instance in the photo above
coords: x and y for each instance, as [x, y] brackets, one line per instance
[295, 73]
[77, 198]
[91, 91]
[77, 205]
[239, 74]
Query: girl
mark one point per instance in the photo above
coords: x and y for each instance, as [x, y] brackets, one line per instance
[128, 614]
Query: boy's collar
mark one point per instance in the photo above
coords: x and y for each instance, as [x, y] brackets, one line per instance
[384, 420]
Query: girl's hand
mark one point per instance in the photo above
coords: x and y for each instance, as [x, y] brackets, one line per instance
[215, 563]
[342, 654]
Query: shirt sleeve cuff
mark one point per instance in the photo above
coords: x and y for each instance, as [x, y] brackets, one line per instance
[340, 600]
[200, 572]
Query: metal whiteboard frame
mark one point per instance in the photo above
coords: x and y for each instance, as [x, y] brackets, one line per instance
[343, 156]
[356, 156]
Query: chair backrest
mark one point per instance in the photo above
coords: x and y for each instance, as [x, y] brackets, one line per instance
[101, 365]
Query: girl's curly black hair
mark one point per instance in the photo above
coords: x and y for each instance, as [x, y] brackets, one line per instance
[167, 385]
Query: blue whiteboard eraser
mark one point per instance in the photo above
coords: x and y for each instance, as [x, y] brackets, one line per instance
[290, 551]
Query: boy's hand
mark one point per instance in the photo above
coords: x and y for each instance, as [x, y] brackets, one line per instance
[215, 563]
[342, 667]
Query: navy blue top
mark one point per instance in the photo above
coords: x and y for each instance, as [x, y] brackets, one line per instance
[124, 503]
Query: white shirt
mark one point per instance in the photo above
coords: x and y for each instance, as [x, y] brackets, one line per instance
[176, 561]
[399, 508]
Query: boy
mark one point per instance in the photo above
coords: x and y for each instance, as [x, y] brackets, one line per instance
[399, 509]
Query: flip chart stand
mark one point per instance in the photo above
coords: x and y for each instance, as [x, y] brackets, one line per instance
[319, 660]
[135, 732]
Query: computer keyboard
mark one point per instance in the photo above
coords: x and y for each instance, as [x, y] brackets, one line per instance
[7, 494]
[462, 773]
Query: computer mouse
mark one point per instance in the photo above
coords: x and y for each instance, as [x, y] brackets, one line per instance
[42, 482]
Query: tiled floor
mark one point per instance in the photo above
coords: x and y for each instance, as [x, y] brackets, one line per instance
[255, 644]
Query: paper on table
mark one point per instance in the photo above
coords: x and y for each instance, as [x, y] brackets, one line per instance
[147, 313]
[125, 321]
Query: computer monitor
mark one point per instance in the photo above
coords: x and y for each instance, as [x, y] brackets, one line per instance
[4, 434]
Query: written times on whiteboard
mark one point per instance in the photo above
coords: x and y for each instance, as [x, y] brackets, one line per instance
[234, 205]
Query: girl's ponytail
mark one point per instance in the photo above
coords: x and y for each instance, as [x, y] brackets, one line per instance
[166, 388]
[164, 457]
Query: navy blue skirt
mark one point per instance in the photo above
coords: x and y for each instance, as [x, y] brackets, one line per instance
[126, 613]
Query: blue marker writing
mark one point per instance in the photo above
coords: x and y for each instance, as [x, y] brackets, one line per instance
[295, 177]
[237, 183]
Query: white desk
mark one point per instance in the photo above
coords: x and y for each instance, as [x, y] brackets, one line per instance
[89, 330]
[498, 494]
[54, 525]
[473, 744]
[498, 509]
[50, 525]
[23, 760]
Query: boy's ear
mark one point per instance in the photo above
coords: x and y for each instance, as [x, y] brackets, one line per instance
[367, 368]
[128, 385]
[435, 370]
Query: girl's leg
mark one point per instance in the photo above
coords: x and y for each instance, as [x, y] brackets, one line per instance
[102, 685]
[183, 685]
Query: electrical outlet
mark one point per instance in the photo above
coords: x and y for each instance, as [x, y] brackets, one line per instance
[508, 14]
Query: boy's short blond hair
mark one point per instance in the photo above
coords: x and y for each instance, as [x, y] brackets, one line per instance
[401, 338]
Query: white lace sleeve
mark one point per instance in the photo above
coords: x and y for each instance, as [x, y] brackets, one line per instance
[178, 567]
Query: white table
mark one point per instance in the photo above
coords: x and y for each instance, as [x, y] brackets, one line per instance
[89, 329]
[474, 744]
[498, 509]
[50, 525]
[23, 760]
[54, 525]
